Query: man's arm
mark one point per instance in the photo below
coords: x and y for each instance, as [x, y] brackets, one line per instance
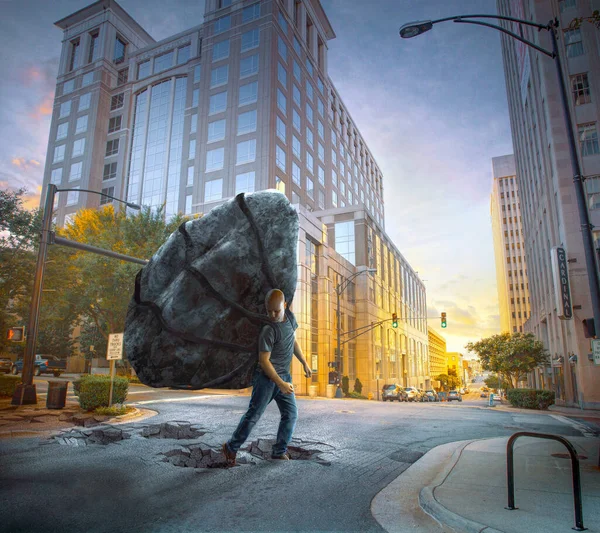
[264, 359]
[300, 356]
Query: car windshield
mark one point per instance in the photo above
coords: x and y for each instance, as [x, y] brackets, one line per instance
[388, 387]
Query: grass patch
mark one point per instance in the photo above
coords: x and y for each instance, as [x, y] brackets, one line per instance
[114, 410]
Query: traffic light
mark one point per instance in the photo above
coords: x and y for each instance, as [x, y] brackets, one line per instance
[16, 334]
[444, 324]
[394, 320]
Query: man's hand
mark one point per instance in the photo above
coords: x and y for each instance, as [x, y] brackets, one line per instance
[307, 370]
[286, 388]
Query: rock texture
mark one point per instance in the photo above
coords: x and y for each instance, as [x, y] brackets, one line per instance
[199, 303]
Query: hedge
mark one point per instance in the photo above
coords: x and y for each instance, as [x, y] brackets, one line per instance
[93, 391]
[530, 398]
[8, 384]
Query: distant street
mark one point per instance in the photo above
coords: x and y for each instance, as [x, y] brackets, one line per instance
[126, 487]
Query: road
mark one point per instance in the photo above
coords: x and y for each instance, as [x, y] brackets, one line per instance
[125, 486]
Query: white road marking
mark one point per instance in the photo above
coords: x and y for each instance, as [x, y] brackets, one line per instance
[184, 399]
[585, 431]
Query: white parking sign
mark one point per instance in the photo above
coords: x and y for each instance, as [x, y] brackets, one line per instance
[115, 347]
[596, 351]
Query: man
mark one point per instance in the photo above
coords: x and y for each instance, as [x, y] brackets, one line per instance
[272, 379]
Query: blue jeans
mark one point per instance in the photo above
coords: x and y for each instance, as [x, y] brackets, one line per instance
[263, 392]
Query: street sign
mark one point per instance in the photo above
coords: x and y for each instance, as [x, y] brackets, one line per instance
[596, 351]
[560, 277]
[115, 347]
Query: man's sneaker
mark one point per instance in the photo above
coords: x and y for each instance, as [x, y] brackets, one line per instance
[229, 455]
[282, 457]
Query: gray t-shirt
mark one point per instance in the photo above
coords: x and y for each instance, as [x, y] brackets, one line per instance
[282, 351]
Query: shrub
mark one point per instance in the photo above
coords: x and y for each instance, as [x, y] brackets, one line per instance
[357, 386]
[355, 394]
[345, 385]
[530, 398]
[93, 391]
[8, 384]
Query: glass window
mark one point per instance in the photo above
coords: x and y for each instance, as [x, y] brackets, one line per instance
[334, 199]
[282, 21]
[580, 88]
[217, 103]
[120, 47]
[333, 138]
[296, 120]
[321, 150]
[297, 71]
[114, 124]
[296, 174]
[297, 46]
[310, 140]
[250, 39]
[221, 25]
[68, 86]
[192, 149]
[215, 159]
[309, 113]
[320, 85]
[309, 66]
[320, 107]
[219, 76]
[87, 79]
[81, 125]
[249, 65]
[280, 157]
[310, 188]
[321, 201]
[193, 123]
[246, 152]
[251, 12]
[183, 54]
[279, 185]
[216, 130]
[116, 102]
[245, 182]
[344, 240]
[246, 122]
[220, 50]
[74, 56]
[248, 93]
[281, 74]
[110, 171]
[62, 131]
[163, 61]
[566, 4]
[213, 190]
[65, 109]
[280, 128]
[296, 146]
[84, 101]
[334, 178]
[143, 69]
[573, 43]
[75, 173]
[281, 102]
[350, 197]
[310, 163]
[282, 48]
[588, 139]
[195, 96]
[188, 204]
[56, 176]
[190, 176]
[295, 198]
[592, 186]
[296, 94]
[321, 175]
[197, 72]
[309, 90]
[73, 197]
[79, 147]
[321, 129]
[93, 50]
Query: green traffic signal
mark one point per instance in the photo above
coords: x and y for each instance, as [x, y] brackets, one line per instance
[394, 320]
[444, 323]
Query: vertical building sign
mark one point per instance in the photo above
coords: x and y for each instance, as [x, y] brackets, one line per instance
[560, 278]
[521, 49]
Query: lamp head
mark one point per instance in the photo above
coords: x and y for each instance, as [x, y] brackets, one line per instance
[133, 206]
[412, 29]
[372, 270]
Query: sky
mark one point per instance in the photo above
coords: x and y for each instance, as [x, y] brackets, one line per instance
[432, 109]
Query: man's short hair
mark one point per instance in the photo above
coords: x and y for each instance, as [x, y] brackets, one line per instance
[271, 293]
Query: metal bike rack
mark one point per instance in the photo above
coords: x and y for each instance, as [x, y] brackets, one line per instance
[510, 472]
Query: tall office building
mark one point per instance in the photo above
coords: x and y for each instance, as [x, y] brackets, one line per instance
[239, 103]
[545, 183]
[509, 249]
[437, 355]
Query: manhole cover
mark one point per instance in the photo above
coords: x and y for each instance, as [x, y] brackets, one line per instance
[346, 411]
[568, 456]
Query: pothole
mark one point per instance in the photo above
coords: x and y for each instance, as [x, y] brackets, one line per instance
[172, 430]
[83, 437]
[199, 456]
[405, 455]
[298, 450]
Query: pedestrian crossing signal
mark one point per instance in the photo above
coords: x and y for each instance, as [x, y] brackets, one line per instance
[444, 324]
[16, 334]
[394, 320]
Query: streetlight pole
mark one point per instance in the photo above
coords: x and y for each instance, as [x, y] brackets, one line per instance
[25, 392]
[340, 288]
[413, 29]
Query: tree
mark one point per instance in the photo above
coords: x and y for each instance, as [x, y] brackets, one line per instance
[512, 355]
[493, 382]
[448, 382]
[594, 19]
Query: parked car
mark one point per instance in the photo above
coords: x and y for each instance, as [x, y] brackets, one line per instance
[413, 394]
[483, 395]
[394, 392]
[431, 395]
[43, 364]
[442, 396]
[5, 364]
[454, 395]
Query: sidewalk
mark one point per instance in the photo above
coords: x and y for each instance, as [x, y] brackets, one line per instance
[463, 486]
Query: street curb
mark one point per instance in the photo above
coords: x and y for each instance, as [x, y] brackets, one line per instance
[436, 510]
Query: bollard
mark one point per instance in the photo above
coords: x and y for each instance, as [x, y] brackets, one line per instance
[491, 403]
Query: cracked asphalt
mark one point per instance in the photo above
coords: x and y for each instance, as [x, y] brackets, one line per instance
[127, 485]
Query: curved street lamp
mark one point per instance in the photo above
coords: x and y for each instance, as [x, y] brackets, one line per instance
[339, 289]
[412, 29]
[25, 392]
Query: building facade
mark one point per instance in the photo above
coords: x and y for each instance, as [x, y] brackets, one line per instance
[437, 355]
[545, 182]
[240, 103]
[454, 362]
[509, 249]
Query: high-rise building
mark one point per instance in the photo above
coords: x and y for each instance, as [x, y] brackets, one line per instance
[239, 103]
[437, 354]
[545, 183]
[509, 249]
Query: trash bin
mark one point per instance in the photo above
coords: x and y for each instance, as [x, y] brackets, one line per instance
[57, 394]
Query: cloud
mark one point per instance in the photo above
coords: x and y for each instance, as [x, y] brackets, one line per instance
[44, 108]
